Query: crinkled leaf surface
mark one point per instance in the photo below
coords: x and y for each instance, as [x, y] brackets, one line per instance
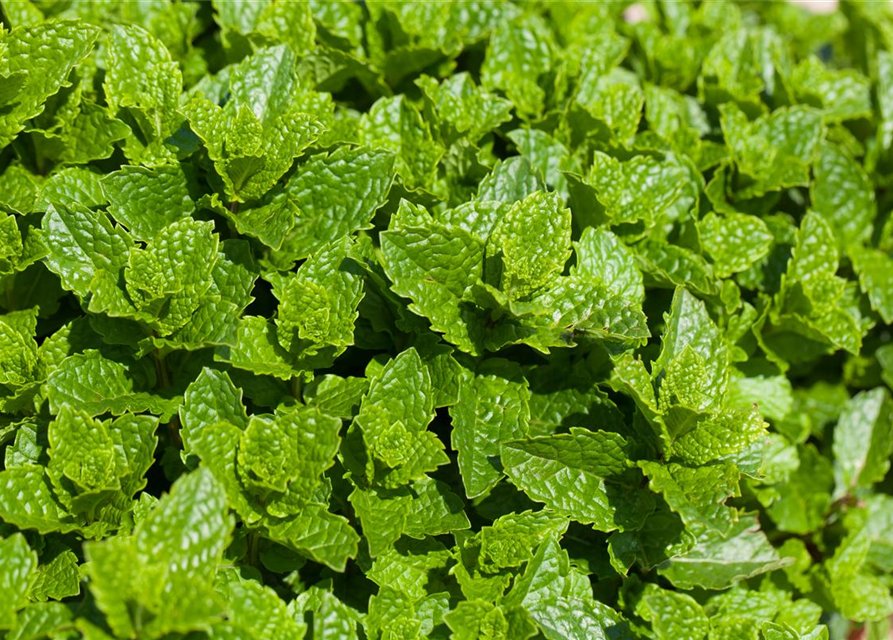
[459, 319]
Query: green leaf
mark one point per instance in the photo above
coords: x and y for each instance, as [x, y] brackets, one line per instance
[406, 567]
[82, 460]
[426, 507]
[336, 396]
[549, 156]
[240, 16]
[18, 351]
[395, 125]
[86, 252]
[732, 68]
[859, 594]
[800, 503]
[146, 200]
[96, 384]
[842, 193]
[863, 441]
[216, 445]
[254, 138]
[512, 539]
[21, 189]
[166, 279]
[391, 614]
[517, 55]
[492, 409]
[72, 186]
[843, 94]
[697, 494]
[690, 330]
[734, 241]
[812, 300]
[719, 560]
[670, 266]
[269, 219]
[291, 23]
[772, 631]
[403, 390]
[639, 190]
[264, 82]
[714, 437]
[579, 474]
[257, 610]
[331, 617]
[27, 500]
[267, 461]
[510, 180]
[336, 195]
[43, 618]
[160, 579]
[88, 133]
[393, 418]
[40, 57]
[289, 452]
[257, 349]
[580, 310]
[474, 619]
[874, 269]
[601, 256]
[468, 110]
[613, 98]
[434, 266]
[534, 241]
[210, 398]
[17, 576]
[322, 536]
[776, 150]
[10, 244]
[135, 441]
[318, 305]
[672, 614]
[143, 79]
[558, 597]
[58, 576]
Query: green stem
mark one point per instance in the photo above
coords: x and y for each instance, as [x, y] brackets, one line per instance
[253, 549]
[161, 370]
[10, 298]
[173, 426]
[297, 388]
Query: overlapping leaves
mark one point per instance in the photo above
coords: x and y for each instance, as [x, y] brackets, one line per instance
[445, 320]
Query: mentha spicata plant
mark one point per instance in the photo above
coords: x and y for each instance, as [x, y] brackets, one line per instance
[445, 320]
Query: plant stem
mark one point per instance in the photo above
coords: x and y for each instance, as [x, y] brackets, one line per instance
[253, 549]
[297, 388]
[173, 425]
[161, 370]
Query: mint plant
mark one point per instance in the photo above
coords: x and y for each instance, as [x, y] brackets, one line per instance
[445, 320]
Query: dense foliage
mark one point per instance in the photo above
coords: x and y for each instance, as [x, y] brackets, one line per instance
[462, 320]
